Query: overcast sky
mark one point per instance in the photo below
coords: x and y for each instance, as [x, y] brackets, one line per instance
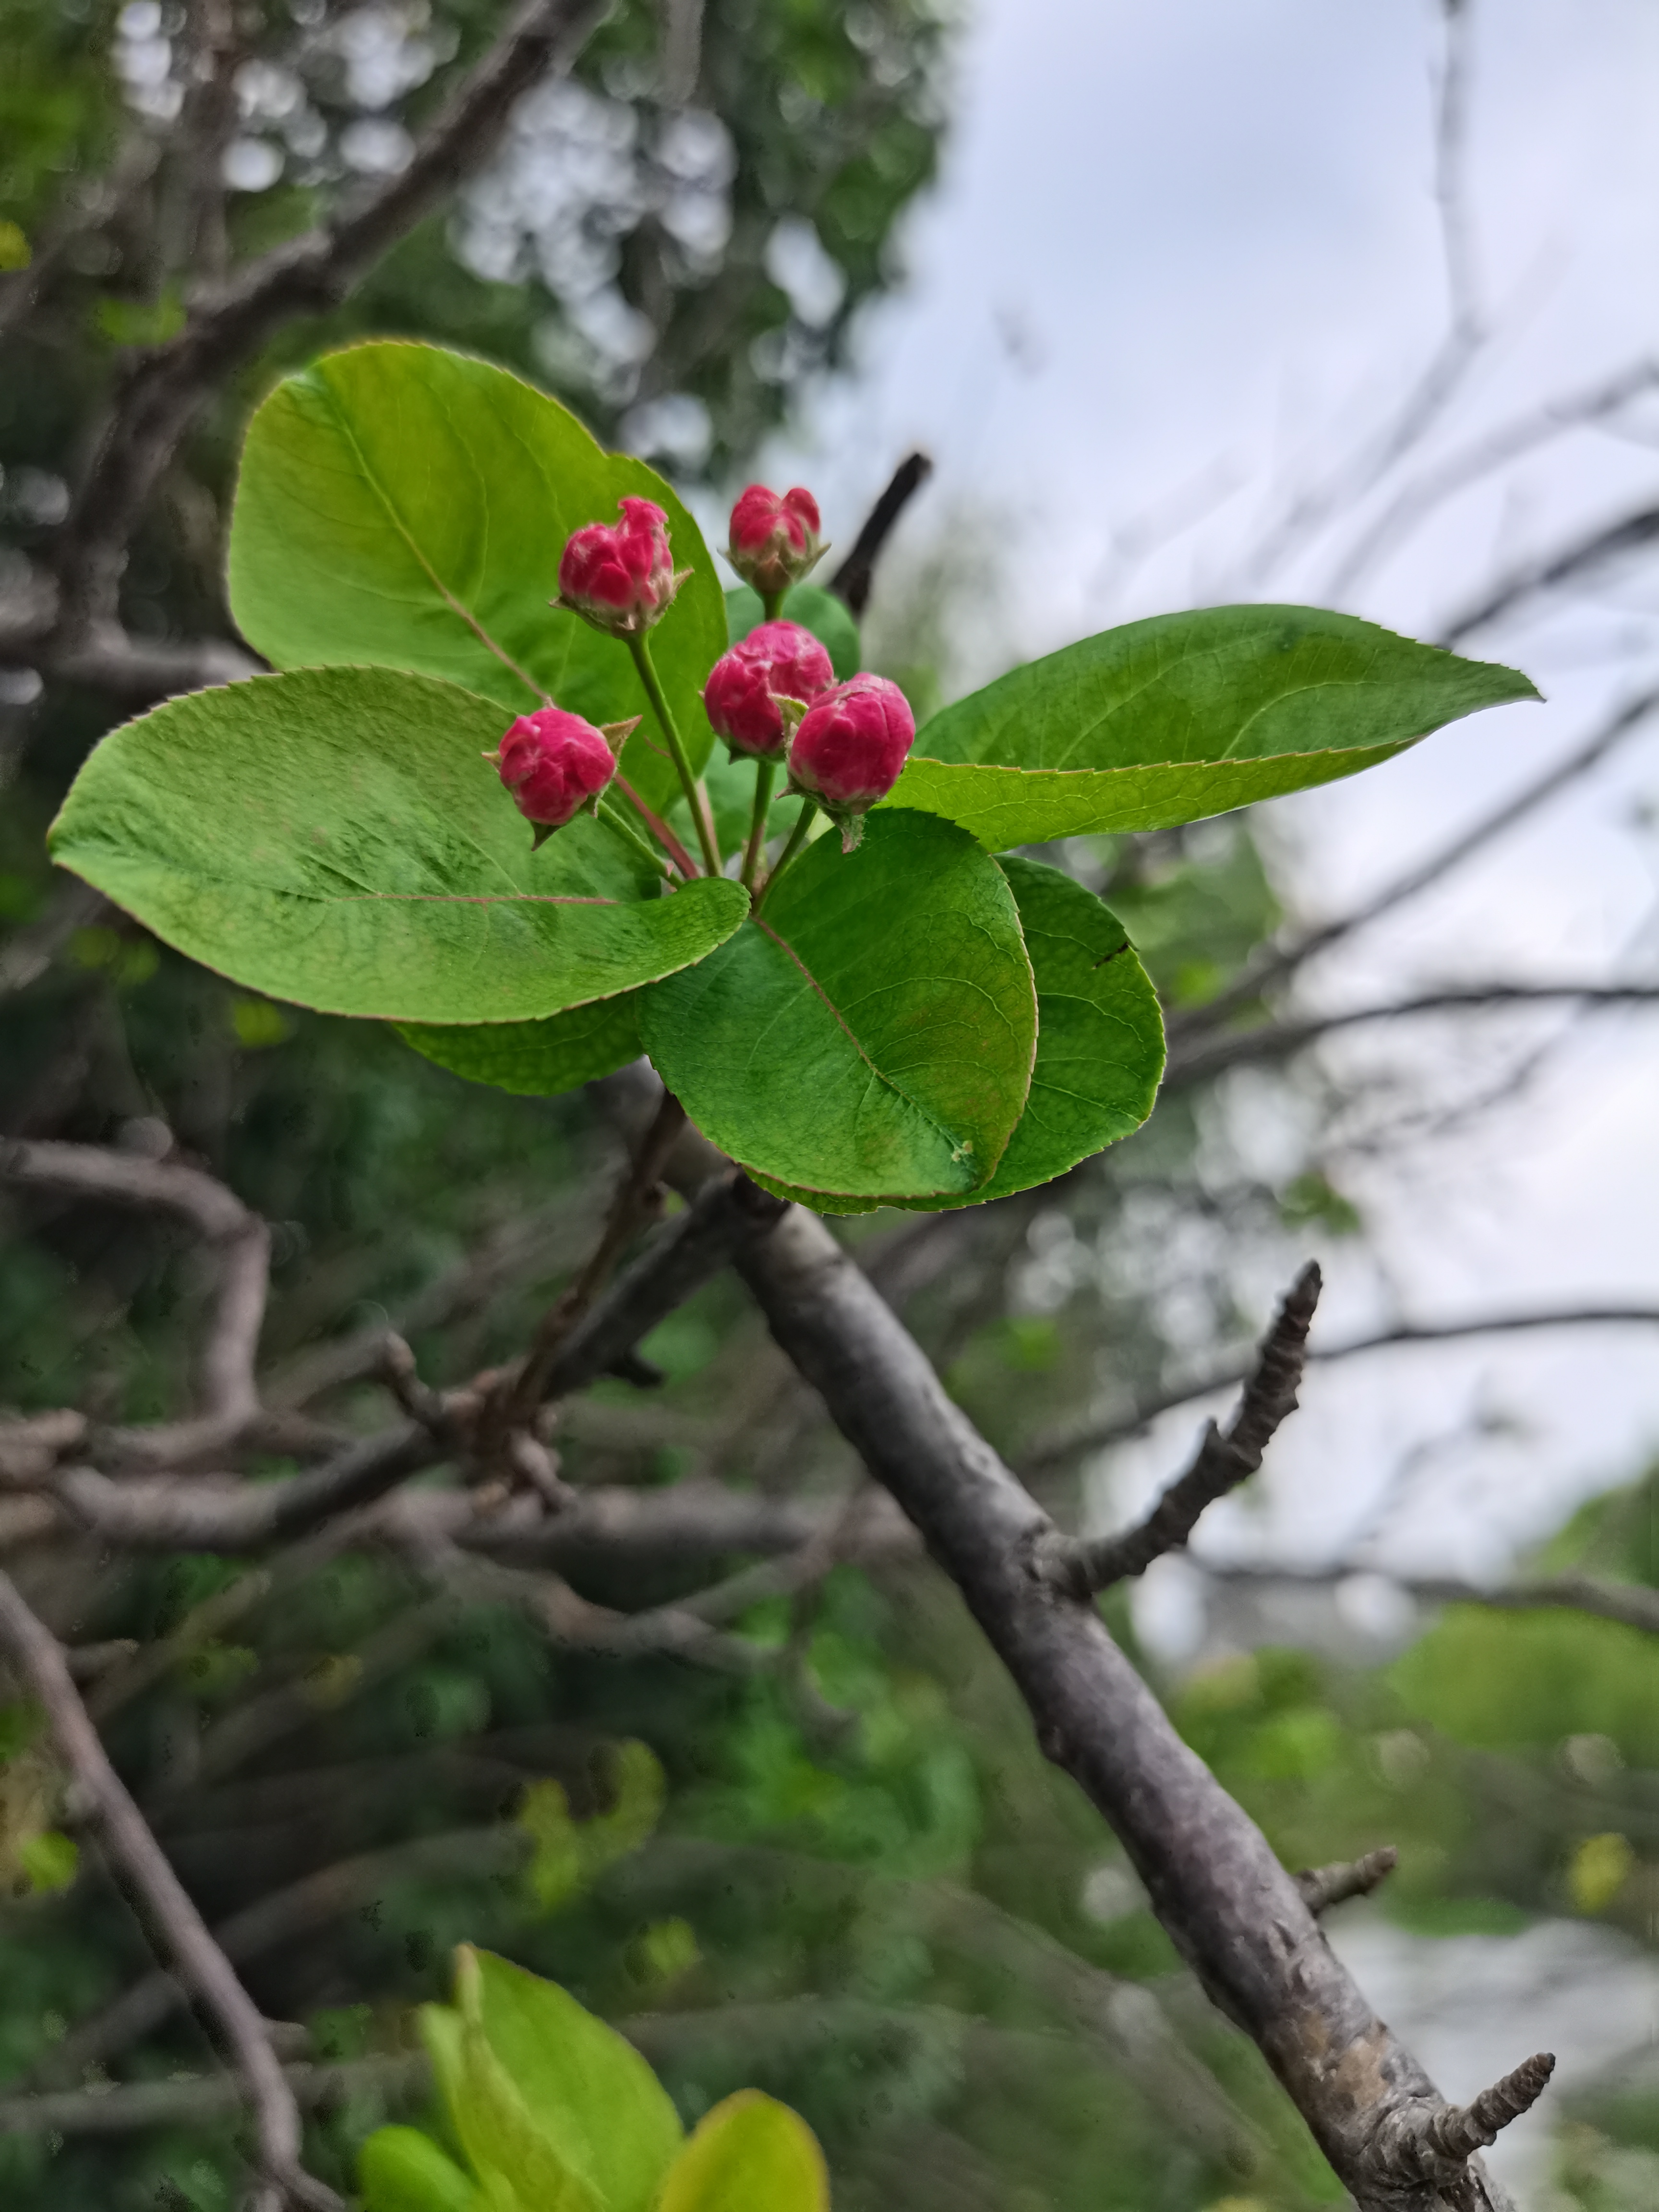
[1182, 263]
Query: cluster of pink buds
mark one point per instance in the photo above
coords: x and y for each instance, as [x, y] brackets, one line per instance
[554, 765]
[772, 694]
[849, 750]
[774, 542]
[620, 576]
[778, 667]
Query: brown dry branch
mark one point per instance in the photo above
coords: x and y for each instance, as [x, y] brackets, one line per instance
[1224, 1460]
[39, 1660]
[1236, 1915]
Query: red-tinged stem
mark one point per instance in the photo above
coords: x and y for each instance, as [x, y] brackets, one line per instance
[658, 829]
[696, 798]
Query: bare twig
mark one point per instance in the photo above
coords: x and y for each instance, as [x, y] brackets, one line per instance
[1086, 1565]
[1279, 1040]
[853, 579]
[1324, 1887]
[203, 1967]
[1548, 572]
[1275, 963]
[635, 1202]
[1632, 1604]
[127, 2107]
[1093, 1435]
[314, 1901]
[1482, 457]
[242, 1245]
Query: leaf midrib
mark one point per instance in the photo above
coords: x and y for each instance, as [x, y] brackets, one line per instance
[955, 1143]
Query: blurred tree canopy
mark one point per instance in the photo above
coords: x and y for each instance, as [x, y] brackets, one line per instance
[849, 1875]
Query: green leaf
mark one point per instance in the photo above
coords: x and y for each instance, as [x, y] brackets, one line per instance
[50, 1859]
[1185, 715]
[536, 1060]
[872, 1033]
[401, 2170]
[831, 620]
[332, 836]
[1100, 1035]
[595, 2104]
[405, 505]
[748, 2154]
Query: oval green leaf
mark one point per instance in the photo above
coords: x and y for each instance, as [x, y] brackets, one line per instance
[1187, 716]
[598, 2106]
[331, 836]
[748, 2154]
[404, 506]
[1100, 1035]
[536, 1060]
[401, 2170]
[872, 1033]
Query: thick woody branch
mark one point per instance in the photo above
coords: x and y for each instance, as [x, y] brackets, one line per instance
[201, 1964]
[1224, 1460]
[1235, 1914]
[308, 275]
[1324, 1887]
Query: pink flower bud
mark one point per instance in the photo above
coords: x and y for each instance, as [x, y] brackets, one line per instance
[554, 764]
[773, 541]
[778, 660]
[620, 577]
[849, 750]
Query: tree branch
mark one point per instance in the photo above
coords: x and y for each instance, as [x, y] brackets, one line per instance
[241, 1243]
[203, 1967]
[1094, 1435]
[1234, 1912]
[1549, 571]
[1324, 1887]
[1275, 963]
[852, 580]
[1083, 1566]
[1279, 1040]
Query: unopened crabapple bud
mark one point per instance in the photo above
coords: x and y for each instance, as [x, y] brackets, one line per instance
[553, 763]
[620, 576]
[849, 750]
[774, 542]
[778, 662]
